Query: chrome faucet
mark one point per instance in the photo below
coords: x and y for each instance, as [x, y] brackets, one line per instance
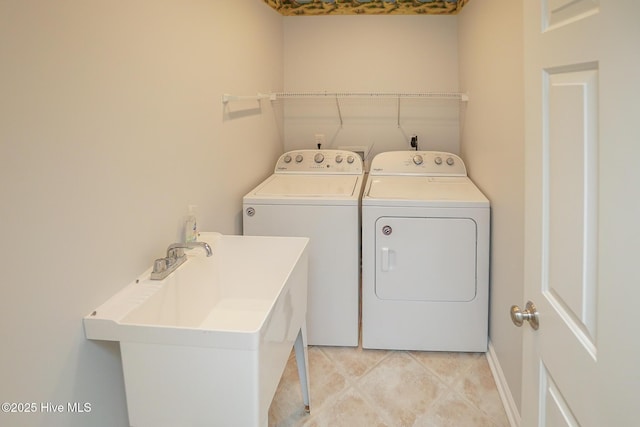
[172, 250]
[162, 267]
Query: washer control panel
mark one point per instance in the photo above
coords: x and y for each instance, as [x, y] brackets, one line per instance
[320, 161]
[431, 163]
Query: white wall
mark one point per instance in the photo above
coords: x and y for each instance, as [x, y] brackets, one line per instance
[111, 123]
[371, 54]
[491, 61]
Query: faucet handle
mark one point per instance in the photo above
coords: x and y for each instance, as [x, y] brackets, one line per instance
[174, 253]
[160, 265]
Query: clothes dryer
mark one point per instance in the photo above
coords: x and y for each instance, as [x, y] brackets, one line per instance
[425, 254]
[316, 194]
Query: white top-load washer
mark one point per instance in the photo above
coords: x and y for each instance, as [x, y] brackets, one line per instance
[316, 194]
[425, 254]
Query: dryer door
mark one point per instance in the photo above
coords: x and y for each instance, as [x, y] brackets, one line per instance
[426, 259]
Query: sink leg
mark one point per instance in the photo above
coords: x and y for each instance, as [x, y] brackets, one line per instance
[302, 360]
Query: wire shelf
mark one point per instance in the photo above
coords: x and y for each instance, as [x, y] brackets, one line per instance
[274, 96]
[382, 95]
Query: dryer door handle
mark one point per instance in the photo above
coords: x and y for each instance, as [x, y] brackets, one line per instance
[386, 259]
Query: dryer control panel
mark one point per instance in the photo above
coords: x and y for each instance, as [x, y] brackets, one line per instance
[320, 161]
[428, 163]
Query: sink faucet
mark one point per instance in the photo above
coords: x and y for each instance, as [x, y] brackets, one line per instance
[172, 253]
[162, 267]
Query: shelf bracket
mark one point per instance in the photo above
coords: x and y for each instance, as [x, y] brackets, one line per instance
[226, 98]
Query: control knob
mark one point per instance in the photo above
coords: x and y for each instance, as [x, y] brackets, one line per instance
[299, 158]
[338, 158]
[350, 159]
[417, 159]
[287, 159]
[438, 160]
[318, 158]
[450, 161]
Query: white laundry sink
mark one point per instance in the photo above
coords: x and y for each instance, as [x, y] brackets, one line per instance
[208, 344]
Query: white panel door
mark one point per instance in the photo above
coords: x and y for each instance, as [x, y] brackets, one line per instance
[582, 71]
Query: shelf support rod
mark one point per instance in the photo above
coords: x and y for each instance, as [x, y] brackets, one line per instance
[339, 112]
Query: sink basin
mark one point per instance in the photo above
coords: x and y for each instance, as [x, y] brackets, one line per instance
[208, 344]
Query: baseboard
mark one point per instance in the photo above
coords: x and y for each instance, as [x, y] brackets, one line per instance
[503, 388]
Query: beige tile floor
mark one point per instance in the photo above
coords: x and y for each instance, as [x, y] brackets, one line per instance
[353, 387]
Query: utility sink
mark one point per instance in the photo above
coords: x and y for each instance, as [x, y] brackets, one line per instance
[208, 344]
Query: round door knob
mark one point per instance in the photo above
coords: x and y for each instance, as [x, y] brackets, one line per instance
[417, 159]
[338, 158]
[299, 158]
[318, 158]
[529, 314]
[287, 159]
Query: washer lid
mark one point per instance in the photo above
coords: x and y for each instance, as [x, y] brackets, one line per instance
[423, 191]
[308, 189]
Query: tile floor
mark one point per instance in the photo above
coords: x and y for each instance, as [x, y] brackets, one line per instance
[352, 387]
